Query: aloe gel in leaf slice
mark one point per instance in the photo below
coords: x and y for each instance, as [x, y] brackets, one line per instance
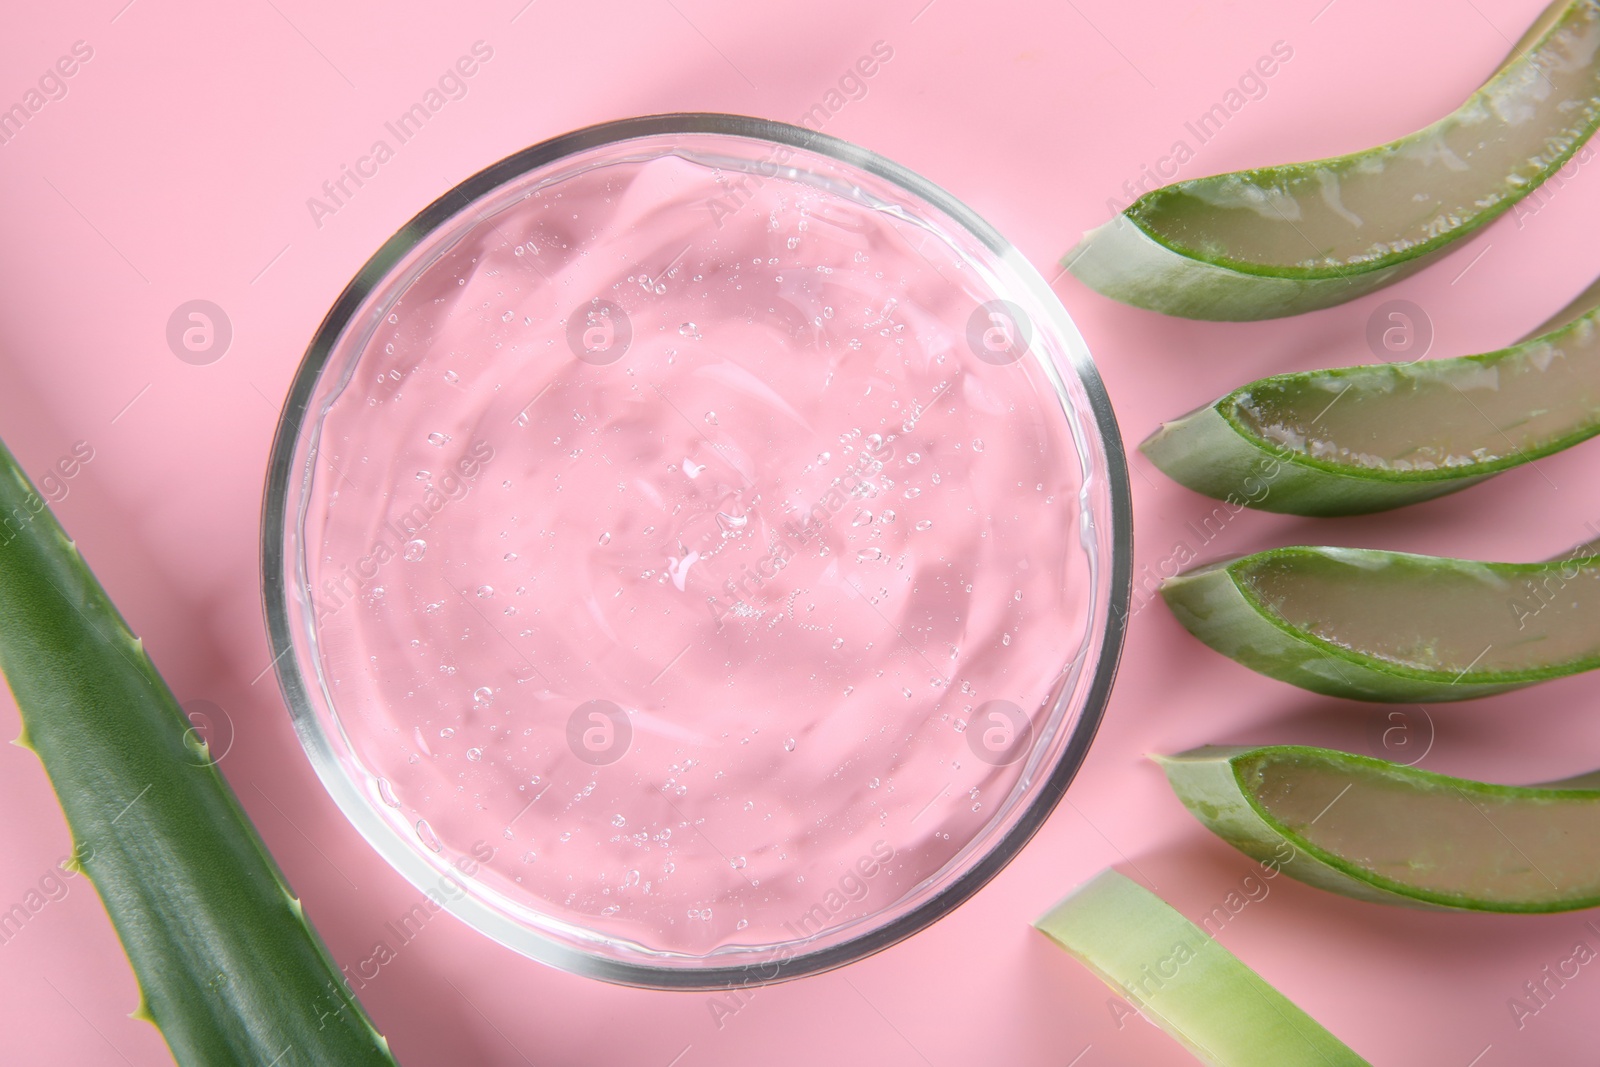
[1185, 982]
[1368, 438]
[228, 967]
[1398, 835]
[1277, 241]
[1390, 626]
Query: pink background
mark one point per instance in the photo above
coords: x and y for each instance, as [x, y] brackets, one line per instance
[178, 166]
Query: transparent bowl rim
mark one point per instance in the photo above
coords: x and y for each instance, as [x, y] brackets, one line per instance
[276, 569]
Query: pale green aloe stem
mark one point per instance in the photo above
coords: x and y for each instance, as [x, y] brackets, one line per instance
[1182, 980]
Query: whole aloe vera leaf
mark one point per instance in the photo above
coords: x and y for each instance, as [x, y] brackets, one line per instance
[228, 967]
[1392, 626]
[1185, 982]
[1384, 832]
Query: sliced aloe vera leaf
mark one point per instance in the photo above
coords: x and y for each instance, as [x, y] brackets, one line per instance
[1369, 438]
[1395, 834]
[228, 966]
[1391, 626]
[1275, 241]
[1213, 1004]
[1540, 26]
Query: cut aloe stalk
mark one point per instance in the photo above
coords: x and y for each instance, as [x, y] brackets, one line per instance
[1260, 244]
[228, 967]
[1186, 983]
[1397, 835]
[1368, 438]
[1391, 626]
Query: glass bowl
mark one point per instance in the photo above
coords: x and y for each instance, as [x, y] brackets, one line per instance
[696, 552]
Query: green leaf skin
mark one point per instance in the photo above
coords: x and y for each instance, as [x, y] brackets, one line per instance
[228, 967]
[1393, 834]
[1186, 983]
[1276, 241]
[1369, 438]
[1390, 626]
